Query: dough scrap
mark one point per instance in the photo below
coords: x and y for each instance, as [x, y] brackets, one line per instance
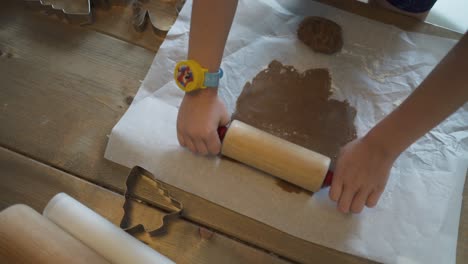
[296, 107]
[321, 34]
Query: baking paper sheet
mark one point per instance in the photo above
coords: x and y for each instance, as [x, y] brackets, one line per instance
[416, 220]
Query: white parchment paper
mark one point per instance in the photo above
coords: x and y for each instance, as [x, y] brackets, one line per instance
[416, 220]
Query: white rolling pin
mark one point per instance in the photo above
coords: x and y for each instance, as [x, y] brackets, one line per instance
[281, 158]
[98, 233]
[28, 237]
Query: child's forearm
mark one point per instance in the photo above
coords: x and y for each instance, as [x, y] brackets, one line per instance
[202, 111]
[443, 91]
[210, 25]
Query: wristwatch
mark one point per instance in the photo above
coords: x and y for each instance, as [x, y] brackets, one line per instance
[189, 75]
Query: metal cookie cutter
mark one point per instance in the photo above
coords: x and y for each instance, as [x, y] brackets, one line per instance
[74, 11]
[142, 187]
[160, 14]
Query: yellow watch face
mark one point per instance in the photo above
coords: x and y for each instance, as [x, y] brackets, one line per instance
[188, 75]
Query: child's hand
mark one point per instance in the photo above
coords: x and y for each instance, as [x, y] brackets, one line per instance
[200, 114]
[361, 174]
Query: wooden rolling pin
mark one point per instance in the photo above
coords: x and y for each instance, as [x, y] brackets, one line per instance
[95, 231]
[28, 237]
[283, 159]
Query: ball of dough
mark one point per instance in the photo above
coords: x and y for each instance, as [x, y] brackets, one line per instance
[321, 34]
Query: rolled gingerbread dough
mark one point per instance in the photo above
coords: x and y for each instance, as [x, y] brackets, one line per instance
[297, 107]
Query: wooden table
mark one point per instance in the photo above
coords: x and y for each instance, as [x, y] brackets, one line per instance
[62, 89]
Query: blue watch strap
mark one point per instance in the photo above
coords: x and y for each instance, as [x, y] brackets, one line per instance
[212, 78]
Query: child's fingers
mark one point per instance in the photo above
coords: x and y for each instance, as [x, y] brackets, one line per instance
[213, 143]
[201, 147]
[336, 189]
[346, 198]
[359, 201]
[190, 145]
[373, 198]
[180, 138]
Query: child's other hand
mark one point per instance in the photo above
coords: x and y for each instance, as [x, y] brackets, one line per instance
[361, 174]
[200, 114]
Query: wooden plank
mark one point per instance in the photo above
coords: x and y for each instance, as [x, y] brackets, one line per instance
[29, 182]
[63, 88]
[60, 113]
[116, 20]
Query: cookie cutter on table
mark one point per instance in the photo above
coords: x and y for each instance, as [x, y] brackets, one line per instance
[74, 11]
[142, 187]
[160, 14]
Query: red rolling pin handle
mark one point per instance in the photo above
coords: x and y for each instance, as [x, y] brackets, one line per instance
[328, 179]
[222, 132]
[326, 182]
